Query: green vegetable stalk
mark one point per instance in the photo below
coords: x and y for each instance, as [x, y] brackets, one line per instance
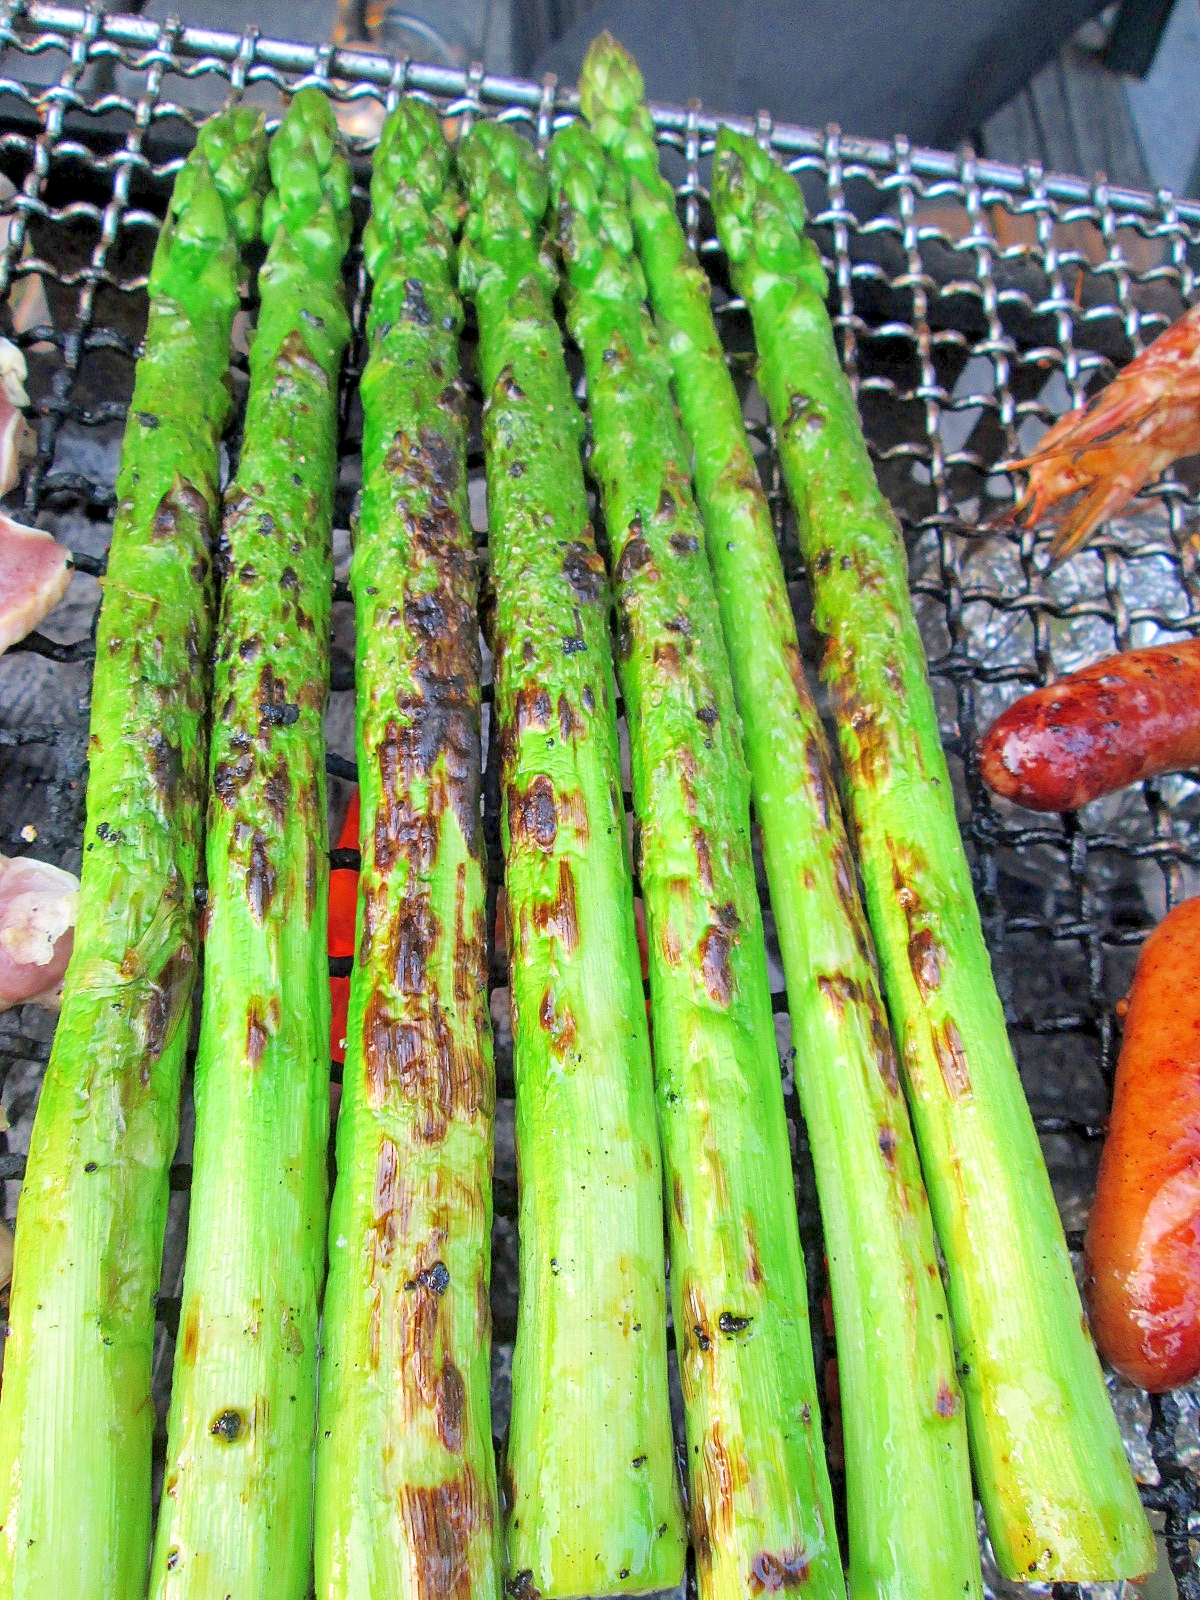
[762, 1514]
[590, 1473]
[910, 1509]
[236, 1507]
[1060, 1501]
[76, 1417]
[406, 1476]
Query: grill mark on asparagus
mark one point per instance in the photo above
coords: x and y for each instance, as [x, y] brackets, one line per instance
[441, 1522]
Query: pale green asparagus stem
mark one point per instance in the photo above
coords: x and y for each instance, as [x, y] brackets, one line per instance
[762, 1513]
[1049, 1466]
[406, 1474]
[910, 1509]
[76, 1416]
[236, 1512]
[593, 1498]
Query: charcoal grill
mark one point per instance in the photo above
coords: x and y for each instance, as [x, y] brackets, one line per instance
[973, 302]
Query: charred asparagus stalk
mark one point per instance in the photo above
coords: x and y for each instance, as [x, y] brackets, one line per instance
[590, 1473]
[762, 1515]
[404, 1433]
[236, 1506]
[1060, 1501]
[76, 1416]
[910, 1509]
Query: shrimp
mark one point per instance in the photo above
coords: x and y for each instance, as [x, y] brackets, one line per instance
[1122, 439]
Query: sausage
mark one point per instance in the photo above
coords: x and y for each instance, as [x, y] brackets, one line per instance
[1128, 717]
[1142, 1254]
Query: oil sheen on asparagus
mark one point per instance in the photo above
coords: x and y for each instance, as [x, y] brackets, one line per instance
[236, 1507]
[762, 1514]
[1060, 1500]
[593, 1500]
[911, 1512]
[406, 1473]
[76, 1417]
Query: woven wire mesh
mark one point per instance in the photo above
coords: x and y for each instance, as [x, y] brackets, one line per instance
[972, 302]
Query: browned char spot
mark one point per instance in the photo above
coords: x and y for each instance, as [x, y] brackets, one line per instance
[262, 1019]
[560, 917]
[261, 878]
[774, 1571]
[531, 709]
[925, 954]
[842, 991]
[190, 1343]
[703, 851]
[583, 569]
[448, 1407]
[441, 1521]
[715, 948]
[697, 1331]
[163, 1004]
[687, 776]
[231, 776]
[572, 810]
[470, 944]
[952, 1058]
[795, 666]
[701, 1537]
[947, 1401]
[559, 1024]
[415, 935]
[532, 815]
[420, 1058]
[293, 352]
[278, 789]
[925, 959]
[713, 1486]
[754, 1271]
[636, 555]
[818, 776]
[568, 724]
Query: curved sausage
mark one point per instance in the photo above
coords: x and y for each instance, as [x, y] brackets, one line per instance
[1128, 717]
[1142, 1256]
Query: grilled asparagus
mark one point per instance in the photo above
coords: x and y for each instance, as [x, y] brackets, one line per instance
[76, 1416]
[762, 1515]
[1060, 1501]
[910, 1509]
[590, 1472]
[236, 1506]
[406, 1475]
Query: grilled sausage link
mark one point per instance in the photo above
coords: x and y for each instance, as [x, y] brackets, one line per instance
[1122, 719]
[1143, 1242]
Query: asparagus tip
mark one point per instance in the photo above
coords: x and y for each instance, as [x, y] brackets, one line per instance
[610, 80]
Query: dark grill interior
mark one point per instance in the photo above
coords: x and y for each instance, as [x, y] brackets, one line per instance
[973, 303]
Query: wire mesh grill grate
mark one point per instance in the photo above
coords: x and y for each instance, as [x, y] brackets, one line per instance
[973, 303]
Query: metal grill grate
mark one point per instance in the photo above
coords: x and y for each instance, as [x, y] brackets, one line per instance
[973, 303]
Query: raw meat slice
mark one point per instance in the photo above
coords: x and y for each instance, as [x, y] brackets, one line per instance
[38, 905]
[34, 573]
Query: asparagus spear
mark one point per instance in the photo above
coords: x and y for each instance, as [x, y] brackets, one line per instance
[404, 1432]
[1060, 1501]
[910, 1509]
[76, 1417]
[236, 1506]
[590, 1473]
[762, 1515]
